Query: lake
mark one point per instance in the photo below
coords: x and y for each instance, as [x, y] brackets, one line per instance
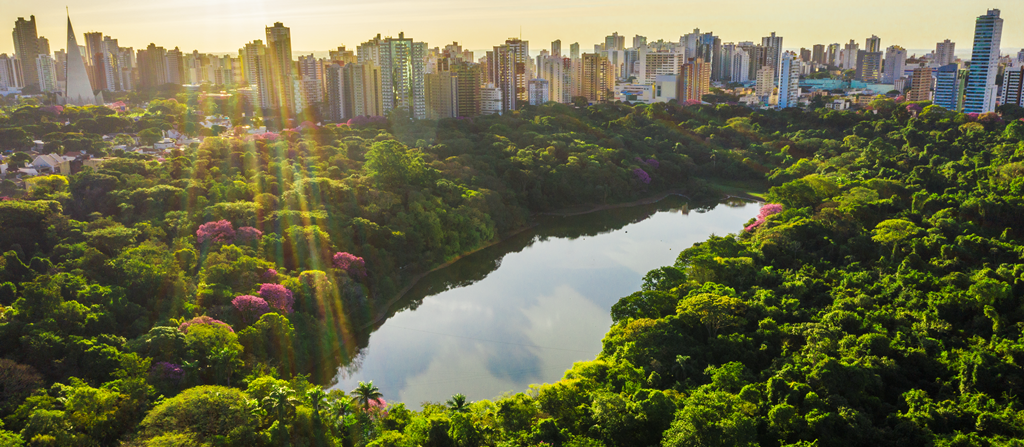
[522, 311]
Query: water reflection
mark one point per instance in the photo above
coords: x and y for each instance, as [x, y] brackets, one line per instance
[524, 310]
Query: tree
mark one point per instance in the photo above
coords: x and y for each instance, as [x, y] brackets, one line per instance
[458, 403]
[388, 163]
[894, 231]
[715, 312]
[365, 393]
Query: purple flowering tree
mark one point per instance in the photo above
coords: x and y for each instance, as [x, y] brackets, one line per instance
[642, 176]
[251, 307]
[354, 265]
[203, 320]
[914, 109]
[246, 235]
[653, 163]
[170, 372]
[278, 297]
[766, 210]
[216, 231]
[270, 275]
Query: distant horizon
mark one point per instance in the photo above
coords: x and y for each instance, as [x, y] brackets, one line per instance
[222, 27]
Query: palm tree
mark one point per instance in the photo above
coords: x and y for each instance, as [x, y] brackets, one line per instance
[280, 401]
[458, 403]
[366, 393]
[317, 399]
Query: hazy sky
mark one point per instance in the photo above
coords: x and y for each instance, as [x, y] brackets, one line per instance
[217, 26]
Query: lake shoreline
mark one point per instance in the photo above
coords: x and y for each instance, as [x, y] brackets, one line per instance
[383, 314]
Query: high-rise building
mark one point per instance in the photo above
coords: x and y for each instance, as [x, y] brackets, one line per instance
[789, 80]
[442, 89]
[401, 72]
[47, 70]
[507, 67]
[93, 41]
[152, 66]
[773, 50]
[539, 91]
[255, 74]
[469, 77]
[8, 78]
[873, 44]
[805, 55]
[552, 69]
[614, 42]
[832, 55]
[849, 61]
[556, 48]
[818, 54]
[597, 78]
[280, 68]
[765, 85]
[490, 100]
[26, 47]
[44, 45]
[895, 64]
[77, 90]
[981, 82]
[639, 41]
[353, 90]
[311, 80]
[921, 84]
[694, 80]
[944, 53]
[1020, 56]
[740, 66]
[653, 64]
[574, 50]
[175, 66]
[949, 87]
[757, 56]
[1013, 86]
[869, 66]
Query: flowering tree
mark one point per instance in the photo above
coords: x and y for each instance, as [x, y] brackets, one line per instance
[767, 210]
[653, 163]
[247, 235]
[167, 371]
[269, 276]
[278, 297]
[914, 109]
[217, 231]
[203, 320]
[354, 265]
[642, 175]
[251, 307]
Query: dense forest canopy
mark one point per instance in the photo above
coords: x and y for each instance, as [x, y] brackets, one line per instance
[205, 297]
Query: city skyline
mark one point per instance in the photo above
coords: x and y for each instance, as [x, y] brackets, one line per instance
[224, 27]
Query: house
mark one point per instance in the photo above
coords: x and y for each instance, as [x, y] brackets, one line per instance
[53, 163]
[95, 163]
[165, 143]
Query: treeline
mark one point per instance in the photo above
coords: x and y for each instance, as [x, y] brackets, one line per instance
[203, 298]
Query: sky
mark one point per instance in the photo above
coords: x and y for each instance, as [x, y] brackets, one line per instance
[223, 26]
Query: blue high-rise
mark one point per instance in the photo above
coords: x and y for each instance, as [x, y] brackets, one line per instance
[981, 81]
[949, 87]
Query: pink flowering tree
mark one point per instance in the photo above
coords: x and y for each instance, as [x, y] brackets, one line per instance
[251, 307]
[270, 275]
[217, 231]
[766, 210]
[354, 265]
[247, 235]
[203, 320]
[278, 297]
